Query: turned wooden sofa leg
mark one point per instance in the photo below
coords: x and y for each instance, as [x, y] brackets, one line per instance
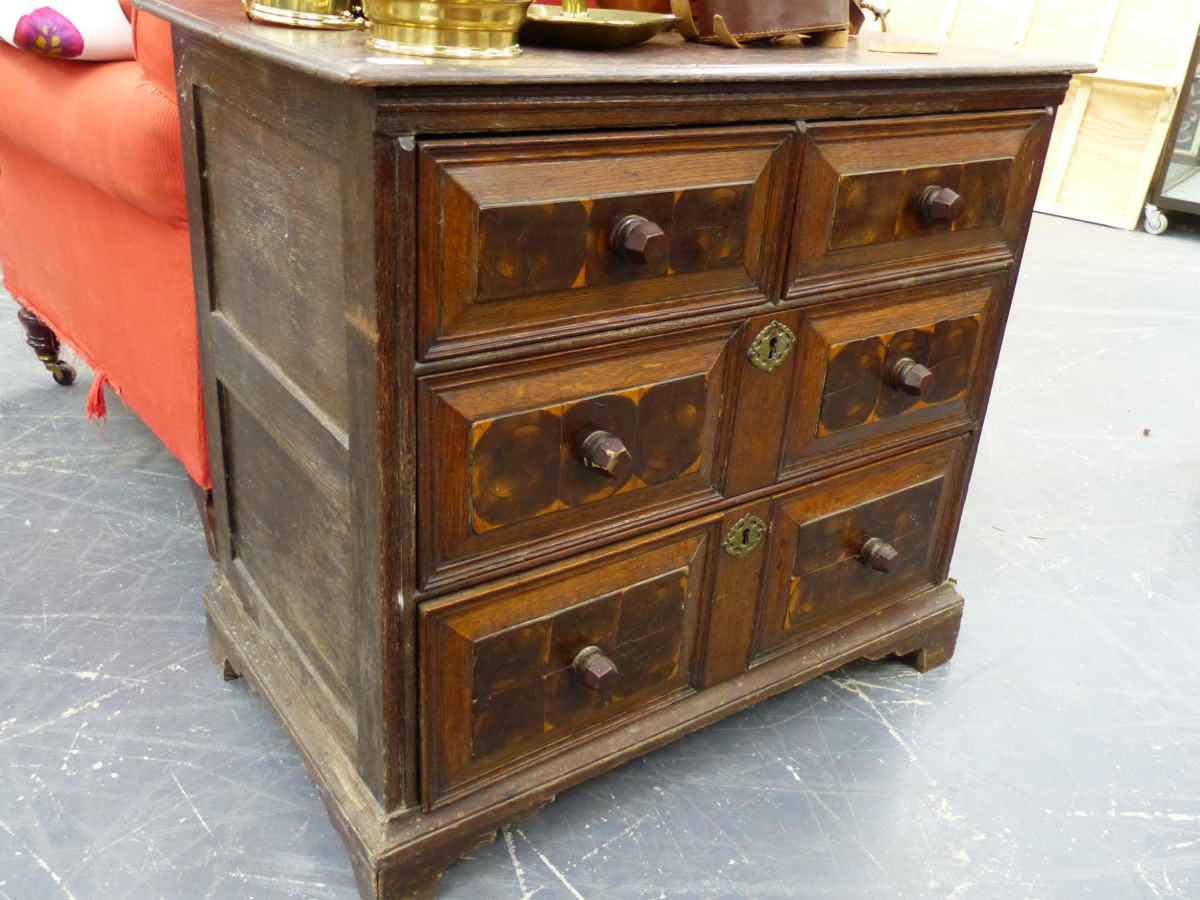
[44, 342]
[208, 517]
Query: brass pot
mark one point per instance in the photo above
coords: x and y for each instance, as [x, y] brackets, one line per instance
[328, 14]
[462, 29]
[662, 7]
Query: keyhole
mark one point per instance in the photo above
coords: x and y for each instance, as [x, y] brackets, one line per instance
[774, 343]
[745, 536]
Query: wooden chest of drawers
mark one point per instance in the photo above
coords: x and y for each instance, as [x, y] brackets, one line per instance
[562, 406]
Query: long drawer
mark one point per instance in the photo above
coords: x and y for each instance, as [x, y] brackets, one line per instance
[518, 460]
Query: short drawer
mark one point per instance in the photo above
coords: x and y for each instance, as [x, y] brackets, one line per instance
[845, 546]
[519, 458]
[532, 238]
[507, 677]
[888, 367]
[885, 197]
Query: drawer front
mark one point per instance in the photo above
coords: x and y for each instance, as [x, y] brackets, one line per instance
[888, 197]
[877, 371]
[507, 684]
[519, 457]
[845, 546]
[553, 236]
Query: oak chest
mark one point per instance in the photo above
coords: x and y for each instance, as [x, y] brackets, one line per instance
[561, 406]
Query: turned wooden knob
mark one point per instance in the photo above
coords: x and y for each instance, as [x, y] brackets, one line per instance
[640, 241]
[879, 555]
[940, 204]
[606, 453]
[38, 334]
[911, 377]
[593, 668]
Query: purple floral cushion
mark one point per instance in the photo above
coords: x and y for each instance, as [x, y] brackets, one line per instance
[49, 33]
[68, 29]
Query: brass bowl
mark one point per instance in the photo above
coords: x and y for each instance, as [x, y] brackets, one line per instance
[459, 29]
[599, 29]
[337, 15]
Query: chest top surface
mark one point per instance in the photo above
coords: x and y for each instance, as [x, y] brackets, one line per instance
[343, 57]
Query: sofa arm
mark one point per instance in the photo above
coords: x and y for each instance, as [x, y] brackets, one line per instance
[152, 48]
[104, 123]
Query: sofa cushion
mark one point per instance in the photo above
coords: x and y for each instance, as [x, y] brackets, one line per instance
[104, 123]
[70, 29]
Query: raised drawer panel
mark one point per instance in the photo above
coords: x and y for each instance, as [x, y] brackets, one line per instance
[850, 393]
[859, 385]
[521, 237]
[528, 453]
[877, 199]
[507, 684]
[866, 211]
[845, 546]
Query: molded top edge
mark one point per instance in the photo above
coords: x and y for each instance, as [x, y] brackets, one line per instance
[342, 57]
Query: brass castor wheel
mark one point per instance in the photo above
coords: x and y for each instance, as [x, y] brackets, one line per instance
[64, 374]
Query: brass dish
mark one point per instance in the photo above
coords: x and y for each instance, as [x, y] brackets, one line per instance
[651, 6]
[459, 29]
[594, 29]
[330, 15]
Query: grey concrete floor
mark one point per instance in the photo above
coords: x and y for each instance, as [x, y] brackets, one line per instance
[1057, 756]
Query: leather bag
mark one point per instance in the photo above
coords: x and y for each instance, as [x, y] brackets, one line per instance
[734, 22]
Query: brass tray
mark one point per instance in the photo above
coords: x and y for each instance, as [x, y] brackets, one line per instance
[599, 29]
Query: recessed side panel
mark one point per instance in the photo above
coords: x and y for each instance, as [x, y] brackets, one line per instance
[274, 219]
[290, 542]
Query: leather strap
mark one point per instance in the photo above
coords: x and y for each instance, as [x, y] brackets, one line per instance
[685, 24]
[722, 33]
[881, 15]
[730, 22]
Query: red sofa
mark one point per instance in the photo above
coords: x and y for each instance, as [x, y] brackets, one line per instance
[93, 228]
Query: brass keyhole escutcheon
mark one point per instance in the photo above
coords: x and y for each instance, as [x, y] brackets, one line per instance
[772, 346]
[744, 536]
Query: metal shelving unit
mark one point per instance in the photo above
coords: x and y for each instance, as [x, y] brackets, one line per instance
[1176, 184]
